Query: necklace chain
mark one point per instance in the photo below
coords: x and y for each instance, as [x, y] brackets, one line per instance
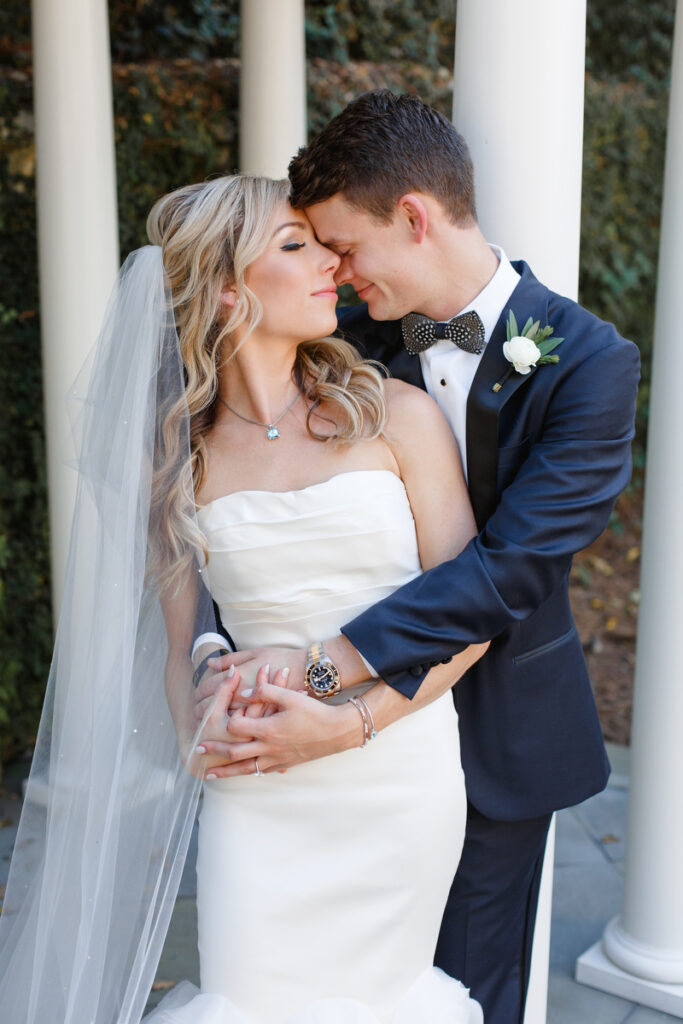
[272, 433]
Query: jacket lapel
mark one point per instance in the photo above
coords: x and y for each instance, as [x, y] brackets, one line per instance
[406, 367]
[484, 404]
[384, 341]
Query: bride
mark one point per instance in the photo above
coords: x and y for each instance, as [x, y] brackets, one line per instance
[234, 452]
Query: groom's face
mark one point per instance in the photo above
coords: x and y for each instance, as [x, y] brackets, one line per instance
[379, 260]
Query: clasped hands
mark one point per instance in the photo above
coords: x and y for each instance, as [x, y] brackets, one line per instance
[254, 714]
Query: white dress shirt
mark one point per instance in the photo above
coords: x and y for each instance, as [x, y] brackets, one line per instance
[448, 371]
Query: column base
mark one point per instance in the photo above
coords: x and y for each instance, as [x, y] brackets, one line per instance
[595, 969]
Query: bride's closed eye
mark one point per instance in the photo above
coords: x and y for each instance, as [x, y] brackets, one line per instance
[293, 246]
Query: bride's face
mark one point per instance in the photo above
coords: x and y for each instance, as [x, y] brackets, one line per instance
[294, 279]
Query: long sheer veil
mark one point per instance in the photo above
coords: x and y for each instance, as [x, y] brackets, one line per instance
[109, 806]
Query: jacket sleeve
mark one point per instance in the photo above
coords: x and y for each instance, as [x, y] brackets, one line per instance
[558, 503]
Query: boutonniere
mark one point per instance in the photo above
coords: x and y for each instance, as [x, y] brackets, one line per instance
[527, 348]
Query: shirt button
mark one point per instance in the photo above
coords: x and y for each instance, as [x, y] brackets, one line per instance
[442, 382]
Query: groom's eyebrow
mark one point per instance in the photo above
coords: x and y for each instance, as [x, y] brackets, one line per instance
[331, 243]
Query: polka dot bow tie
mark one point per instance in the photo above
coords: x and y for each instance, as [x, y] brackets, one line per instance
[420, 333]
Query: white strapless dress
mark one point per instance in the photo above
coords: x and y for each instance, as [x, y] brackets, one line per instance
[320, 891]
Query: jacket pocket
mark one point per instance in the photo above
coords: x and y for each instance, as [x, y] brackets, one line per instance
[518, 659]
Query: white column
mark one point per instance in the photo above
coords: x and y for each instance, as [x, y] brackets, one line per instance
[77, 221]
[645, 944]
[272, 85]
[518, 100]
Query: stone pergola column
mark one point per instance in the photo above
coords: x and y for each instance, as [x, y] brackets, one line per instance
[272, 85]
[518, 100]
[641, 954]
[77, 221]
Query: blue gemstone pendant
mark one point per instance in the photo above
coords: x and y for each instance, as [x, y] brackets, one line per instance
[272, 433]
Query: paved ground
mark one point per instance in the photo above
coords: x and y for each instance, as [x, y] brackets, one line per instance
[589, 866]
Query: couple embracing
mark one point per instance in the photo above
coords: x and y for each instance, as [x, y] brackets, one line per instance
[392, 699]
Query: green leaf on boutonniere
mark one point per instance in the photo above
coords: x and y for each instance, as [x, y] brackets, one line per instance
[522, 356]
[511, 328]
[548, 345]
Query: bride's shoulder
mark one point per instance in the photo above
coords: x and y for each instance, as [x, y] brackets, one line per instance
[411, 408]
[416, 430]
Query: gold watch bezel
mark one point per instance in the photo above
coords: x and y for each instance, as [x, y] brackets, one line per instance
[315, 658]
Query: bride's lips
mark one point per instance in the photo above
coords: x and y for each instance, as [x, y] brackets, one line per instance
[326, 293]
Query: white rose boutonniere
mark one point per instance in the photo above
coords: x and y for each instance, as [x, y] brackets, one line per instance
[527, 348]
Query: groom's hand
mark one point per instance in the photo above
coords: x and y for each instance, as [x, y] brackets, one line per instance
[351, 666]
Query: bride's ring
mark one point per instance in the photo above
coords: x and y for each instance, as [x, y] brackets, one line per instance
[258, 770]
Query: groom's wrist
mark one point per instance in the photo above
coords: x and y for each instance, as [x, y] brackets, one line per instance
[351, 665]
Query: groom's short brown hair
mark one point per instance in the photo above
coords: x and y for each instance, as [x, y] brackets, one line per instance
[380, 147]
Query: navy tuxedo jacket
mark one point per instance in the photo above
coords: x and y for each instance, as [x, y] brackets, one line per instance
[547, 456]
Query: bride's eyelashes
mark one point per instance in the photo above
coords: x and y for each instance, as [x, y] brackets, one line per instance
[293, 246]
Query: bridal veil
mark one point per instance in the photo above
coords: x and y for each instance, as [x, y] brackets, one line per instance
[109, 806]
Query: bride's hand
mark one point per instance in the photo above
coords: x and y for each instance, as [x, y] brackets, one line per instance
[250, 663]
[302, 729]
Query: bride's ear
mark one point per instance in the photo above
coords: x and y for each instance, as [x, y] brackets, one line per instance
[229, 297]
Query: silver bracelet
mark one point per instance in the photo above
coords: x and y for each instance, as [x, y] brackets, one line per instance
[373, 734]
[364, 711]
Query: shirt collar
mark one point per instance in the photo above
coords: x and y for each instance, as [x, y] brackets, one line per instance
[491, 301]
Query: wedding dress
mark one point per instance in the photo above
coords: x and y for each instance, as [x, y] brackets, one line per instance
[320, 891]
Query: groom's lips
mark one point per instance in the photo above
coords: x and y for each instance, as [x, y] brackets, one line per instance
[364, 291]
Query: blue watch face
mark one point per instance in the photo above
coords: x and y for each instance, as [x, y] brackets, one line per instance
[321, 678]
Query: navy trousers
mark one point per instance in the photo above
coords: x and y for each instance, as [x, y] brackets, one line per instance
[488, 925]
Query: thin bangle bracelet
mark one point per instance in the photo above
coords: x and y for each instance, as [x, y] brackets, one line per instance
[368, 732]
[373, 734]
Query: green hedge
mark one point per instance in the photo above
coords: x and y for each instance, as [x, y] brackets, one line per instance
[176, 121]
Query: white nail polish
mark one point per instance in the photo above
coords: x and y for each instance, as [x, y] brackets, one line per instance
[285, 673]
[211, 776]
[231, 671]
[266, 669]
[200, 750]
[247, 693]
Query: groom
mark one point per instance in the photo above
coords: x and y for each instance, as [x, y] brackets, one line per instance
[388, 184]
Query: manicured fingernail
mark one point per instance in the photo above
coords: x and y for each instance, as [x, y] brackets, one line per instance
[200, 750]
[266, 669]
[285, 673]
[211, 776]
[231, 671]
[247, 693]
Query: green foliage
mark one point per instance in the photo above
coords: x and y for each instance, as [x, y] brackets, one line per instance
[625, 131]
[630, 39]
[175, 99]
[381, 31]
[26, 628]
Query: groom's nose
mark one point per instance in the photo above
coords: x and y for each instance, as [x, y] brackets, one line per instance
[343, 273]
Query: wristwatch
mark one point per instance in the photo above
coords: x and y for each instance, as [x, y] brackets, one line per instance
[322, 675]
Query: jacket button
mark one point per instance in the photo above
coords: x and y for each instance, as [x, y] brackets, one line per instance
[417, 670]
[444, 661]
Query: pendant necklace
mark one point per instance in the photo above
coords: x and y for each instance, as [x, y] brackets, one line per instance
[272, 432]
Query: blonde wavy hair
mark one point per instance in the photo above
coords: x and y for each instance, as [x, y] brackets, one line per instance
[209, 235]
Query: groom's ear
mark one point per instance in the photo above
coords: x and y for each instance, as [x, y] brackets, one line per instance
[414, 212]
